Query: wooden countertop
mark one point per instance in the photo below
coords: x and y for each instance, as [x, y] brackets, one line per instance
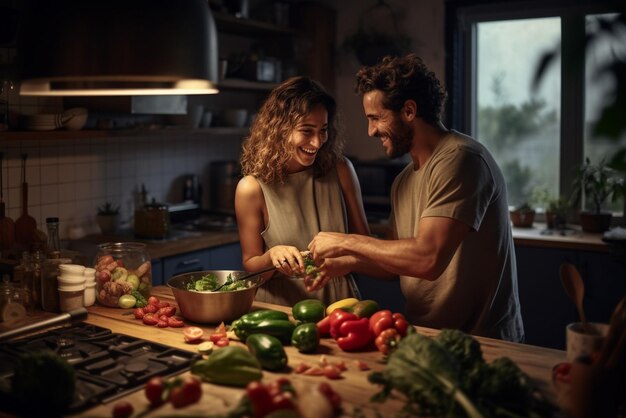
[354, 388]
[183, 242]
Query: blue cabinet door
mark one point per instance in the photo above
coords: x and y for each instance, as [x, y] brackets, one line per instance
[157, 272]
[225, 257]
[185, 263]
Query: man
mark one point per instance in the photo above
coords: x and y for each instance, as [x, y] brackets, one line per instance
[452, 245]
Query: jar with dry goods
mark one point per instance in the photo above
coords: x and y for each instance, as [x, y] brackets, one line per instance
[122, 268]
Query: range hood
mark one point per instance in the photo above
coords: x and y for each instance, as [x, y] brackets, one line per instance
[117, 47]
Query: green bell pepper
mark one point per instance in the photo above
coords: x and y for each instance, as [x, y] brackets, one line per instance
[279, 328]
[308, 310]
[232, 365]
[268, 351]
[305, 337]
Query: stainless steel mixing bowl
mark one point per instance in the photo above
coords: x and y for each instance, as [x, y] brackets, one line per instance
[213, 307]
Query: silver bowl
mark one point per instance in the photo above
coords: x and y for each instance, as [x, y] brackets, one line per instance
[213, 307]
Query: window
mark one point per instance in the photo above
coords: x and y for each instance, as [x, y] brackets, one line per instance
[538, 137]
[521, 129]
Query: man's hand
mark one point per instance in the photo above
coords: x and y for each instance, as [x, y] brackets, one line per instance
[331, 267]
[328, 245]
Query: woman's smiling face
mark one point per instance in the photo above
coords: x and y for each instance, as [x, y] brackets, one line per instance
[309, 135]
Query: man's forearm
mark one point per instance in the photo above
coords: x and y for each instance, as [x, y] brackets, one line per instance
[360, 265]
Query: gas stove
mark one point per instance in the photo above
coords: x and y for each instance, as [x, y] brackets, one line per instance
[108, 365]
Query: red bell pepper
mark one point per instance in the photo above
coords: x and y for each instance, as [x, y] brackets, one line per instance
[323, 326]
[383, 320]
[350, 331]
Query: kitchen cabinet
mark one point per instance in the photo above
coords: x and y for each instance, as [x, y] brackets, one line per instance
[546, 309]
[224, 257]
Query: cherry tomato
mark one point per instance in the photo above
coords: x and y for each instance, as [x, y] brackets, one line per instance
[333, 397]
[175, 322]
[154, 391]
[260, 398]
[166, 311]
[332, 372]
[163, 304]
[139, 313]
[187, 392]
[122, 409]
[562, 372]
[215, 337]
[149, 319]
[150, 309]
[162, 324]
[301, 368]
[153, 300]
[193, 334]
[222, 342]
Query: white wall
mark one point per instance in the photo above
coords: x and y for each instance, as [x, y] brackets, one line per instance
[422, 21]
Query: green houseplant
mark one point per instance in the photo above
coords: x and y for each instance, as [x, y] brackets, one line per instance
[523, 216]
[595, 184]
[107, 217]
[555, 208]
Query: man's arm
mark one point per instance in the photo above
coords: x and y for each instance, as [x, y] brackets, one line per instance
[426, 256]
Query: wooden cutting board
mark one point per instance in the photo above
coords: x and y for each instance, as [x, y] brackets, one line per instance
[25, 225]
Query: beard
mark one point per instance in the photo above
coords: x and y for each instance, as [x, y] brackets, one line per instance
[401, 137]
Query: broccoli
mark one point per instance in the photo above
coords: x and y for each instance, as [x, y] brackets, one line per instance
[310, 269]
[505, 386]
[44, 383]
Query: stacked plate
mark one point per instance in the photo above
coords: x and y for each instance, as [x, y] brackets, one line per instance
[72, 119]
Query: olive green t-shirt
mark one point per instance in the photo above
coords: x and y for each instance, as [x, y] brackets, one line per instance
[477, 293]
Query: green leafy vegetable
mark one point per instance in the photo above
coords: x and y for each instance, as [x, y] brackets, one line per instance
[210, 282]
[310, 269]
[447, 376]
[141, 300]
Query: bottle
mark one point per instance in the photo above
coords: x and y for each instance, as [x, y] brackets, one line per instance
[54, 244]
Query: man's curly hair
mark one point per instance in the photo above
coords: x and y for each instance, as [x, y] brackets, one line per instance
[267, 150]
[401, 79]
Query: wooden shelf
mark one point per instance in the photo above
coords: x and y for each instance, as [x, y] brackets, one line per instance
[230, 24]
[60, 135]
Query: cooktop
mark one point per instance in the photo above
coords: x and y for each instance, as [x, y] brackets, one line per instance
[108, 365]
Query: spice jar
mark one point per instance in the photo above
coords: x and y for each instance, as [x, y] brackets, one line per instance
[50, 284]
[11, 302]
[122, 268]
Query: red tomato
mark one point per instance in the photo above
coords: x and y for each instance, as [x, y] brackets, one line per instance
[562, 372]
[333, 397]
[193, 334]
[154, 391]
[122, 409]
[162, 324]
[150, 309]
[167, 311]
[175, 322]
[222, 343]
[139, 313]
[331, 372]
[153, 300]
[149, 319]
[301, 368]
[163, 304]
[215, 337]
[283, 400]
[188, 392]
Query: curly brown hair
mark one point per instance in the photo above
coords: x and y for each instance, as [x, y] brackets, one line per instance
[267, 150]
[401, 79]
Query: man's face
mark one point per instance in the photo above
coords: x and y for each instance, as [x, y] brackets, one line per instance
[386, 124]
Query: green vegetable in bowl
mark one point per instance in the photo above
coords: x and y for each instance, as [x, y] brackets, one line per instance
[209, 282]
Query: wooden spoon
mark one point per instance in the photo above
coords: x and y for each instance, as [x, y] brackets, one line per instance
[25, 225]
[7, 226]
[575, 289]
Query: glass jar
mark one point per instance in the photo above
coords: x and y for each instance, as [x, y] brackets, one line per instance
[122, 268]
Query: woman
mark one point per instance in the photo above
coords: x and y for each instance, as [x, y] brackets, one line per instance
[296, 183]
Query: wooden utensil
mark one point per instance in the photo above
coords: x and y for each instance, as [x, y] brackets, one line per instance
[575, 289]
[25, 225]
[7, 226]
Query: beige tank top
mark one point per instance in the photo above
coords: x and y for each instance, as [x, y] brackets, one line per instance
[297, 210]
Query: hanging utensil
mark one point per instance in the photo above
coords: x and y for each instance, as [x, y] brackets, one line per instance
[25, 225]
[575, 289]
[244, 277]
[7, 226]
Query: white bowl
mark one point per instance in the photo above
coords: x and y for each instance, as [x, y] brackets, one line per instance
[71, 280]
[71, 268]
[74, 119]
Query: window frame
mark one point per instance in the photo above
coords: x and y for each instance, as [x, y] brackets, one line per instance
[461, 17]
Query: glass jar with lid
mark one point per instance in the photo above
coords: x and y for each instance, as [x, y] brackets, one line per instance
[122, 268]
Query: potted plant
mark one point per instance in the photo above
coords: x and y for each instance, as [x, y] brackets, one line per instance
[108, 217]
[595, 184]
[555, 208]
[523, 216]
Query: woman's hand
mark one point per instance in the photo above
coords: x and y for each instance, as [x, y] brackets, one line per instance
[287, 259]
[331, 267]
